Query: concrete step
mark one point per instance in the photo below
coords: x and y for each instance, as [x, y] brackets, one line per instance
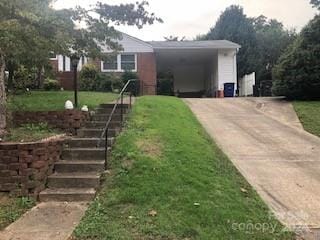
[74, 180]
[109, 110]
[105, 117]
[87, 142]
[67, 195]
[78, 154]
[95, 133]
[79, 166]
[102, 124]
[111, 105]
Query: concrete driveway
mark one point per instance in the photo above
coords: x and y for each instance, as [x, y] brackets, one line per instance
[265, 141]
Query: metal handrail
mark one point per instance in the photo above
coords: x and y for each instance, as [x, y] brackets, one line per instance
[106, 128]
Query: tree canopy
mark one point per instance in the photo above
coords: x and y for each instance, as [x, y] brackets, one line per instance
[315, 4]
[262, 40]
[297, 73]
[272, 41]
[233, 25]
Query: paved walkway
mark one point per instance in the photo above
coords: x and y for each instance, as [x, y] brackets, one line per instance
[46, 221]
[265, 141]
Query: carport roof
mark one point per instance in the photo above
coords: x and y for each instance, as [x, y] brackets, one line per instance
[208, 44]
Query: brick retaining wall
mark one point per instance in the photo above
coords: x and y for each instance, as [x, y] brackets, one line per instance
[25, 167]
[67, 120]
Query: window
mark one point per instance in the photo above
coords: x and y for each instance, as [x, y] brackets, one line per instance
[111, 63]
[52, 56]
[128, 62]
[120, 63]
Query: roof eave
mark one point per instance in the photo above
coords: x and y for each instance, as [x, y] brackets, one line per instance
[188, 48]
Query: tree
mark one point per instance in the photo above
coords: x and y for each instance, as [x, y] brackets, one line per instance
[272, 41]
[31, 29]
[174, 38]
[315, 4]
[262, 40]
[297, 74]
[25, 30]
[233, 25]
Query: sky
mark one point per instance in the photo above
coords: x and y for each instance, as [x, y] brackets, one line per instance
[188, 18]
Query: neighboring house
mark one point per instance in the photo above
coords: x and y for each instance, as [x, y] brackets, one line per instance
[199, 68]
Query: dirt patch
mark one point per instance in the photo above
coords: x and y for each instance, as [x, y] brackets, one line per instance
[152, 147]
[127, 164]
[4, 199]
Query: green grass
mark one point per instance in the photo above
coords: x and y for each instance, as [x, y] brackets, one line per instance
[309, 115]
[30, 132]
[55, 100]
[12, 208]
[165, 165]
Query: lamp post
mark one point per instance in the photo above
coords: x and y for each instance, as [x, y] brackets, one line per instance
[75, 61]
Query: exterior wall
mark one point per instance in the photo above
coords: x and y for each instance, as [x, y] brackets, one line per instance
[147, 72]
[25, 167]
[54, 64]
[65, 79]
[227, 70]
[189, 78]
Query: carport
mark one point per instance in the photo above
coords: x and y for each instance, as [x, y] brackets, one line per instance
[199, 68]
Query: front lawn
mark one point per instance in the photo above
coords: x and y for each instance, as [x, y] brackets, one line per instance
[168, 180]
[309, 115]
[12, 208]
[55, 100]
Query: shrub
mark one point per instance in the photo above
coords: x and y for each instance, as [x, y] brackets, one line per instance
[126, 76]
[51, 85]
[134, 86]
[297, 74]
[117, 84]
[23, 78]
[104, 82]
[165, 84]
[92, 80]
[164, 87]
[88, 78]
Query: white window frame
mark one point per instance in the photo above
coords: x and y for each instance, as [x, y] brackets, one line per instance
[54, 58]
[119, 68]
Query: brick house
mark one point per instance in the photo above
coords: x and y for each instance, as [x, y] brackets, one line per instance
[199, 68]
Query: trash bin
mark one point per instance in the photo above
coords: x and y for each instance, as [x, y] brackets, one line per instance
[228, 90]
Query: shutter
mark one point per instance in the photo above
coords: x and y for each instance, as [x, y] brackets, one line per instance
[68, 64]
[60, 63]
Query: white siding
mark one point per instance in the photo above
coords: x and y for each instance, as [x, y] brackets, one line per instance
[80, 65]
[68, 64]
[227, 70]
[132, 45]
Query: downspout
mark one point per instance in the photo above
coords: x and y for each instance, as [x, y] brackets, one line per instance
[235, 70]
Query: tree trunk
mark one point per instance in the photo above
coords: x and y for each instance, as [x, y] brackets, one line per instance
[2, 96]
[40, 77]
